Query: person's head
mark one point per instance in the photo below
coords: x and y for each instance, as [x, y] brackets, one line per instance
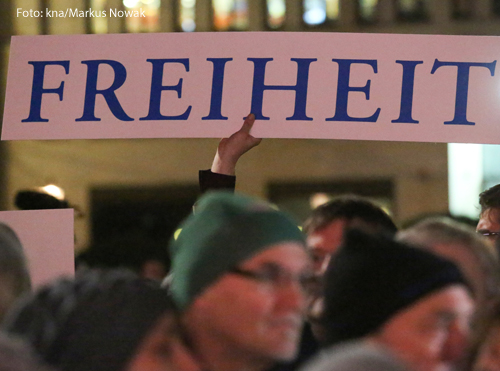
[355, 356]
[325, 229]
[14, 275]
[410, 300]
[239, 269]
[15, 355]
[485, 349]
[102, 321]
[489, 218]
[326, 224]
[459, 243]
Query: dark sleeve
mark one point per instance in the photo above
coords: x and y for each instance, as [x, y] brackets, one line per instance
[214, 181]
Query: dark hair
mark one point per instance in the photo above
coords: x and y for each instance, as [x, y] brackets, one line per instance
[351, 208]
[94, 322]
[490, 198]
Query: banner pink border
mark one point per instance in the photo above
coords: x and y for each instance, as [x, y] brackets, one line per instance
[375, 81]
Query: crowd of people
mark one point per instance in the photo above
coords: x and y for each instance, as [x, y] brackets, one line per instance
[248, 290]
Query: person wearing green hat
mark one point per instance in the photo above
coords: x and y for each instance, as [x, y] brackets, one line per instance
[240, 274]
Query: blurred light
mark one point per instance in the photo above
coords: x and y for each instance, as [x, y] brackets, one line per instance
[277, 7]
[230, 14]
[274, 206]
[318, 199]
[276, 12]
[54, 191]
[315, 16]
[177, 233]
[131, 3]
[188, 3]
[188, 25]
[368, 9]
[187, 14]
[332, 9]
[223, 6]
[386, 209]
[465, 176]
[408, 5]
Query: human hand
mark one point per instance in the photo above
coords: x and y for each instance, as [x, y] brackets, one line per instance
[231, 149]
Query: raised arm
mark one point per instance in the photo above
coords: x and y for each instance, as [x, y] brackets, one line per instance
[229, 151]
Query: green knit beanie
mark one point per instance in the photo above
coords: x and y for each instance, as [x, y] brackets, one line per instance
[224, 230]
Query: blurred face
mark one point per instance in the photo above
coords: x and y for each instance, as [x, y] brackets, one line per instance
[488, 358]
[163, 350]
[432, 334]
[256, 312]
[489, 222]
[322, 244]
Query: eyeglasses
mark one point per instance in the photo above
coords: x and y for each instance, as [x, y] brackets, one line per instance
[489, 234]
[277, 277]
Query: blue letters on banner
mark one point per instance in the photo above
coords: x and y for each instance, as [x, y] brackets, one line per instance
[37, 89]
[108, 94]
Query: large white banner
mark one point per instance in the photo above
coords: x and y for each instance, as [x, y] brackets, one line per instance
[425, 88]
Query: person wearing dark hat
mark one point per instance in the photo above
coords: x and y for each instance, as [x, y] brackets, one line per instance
[102, 321]
[411, 301]
[240, 271]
